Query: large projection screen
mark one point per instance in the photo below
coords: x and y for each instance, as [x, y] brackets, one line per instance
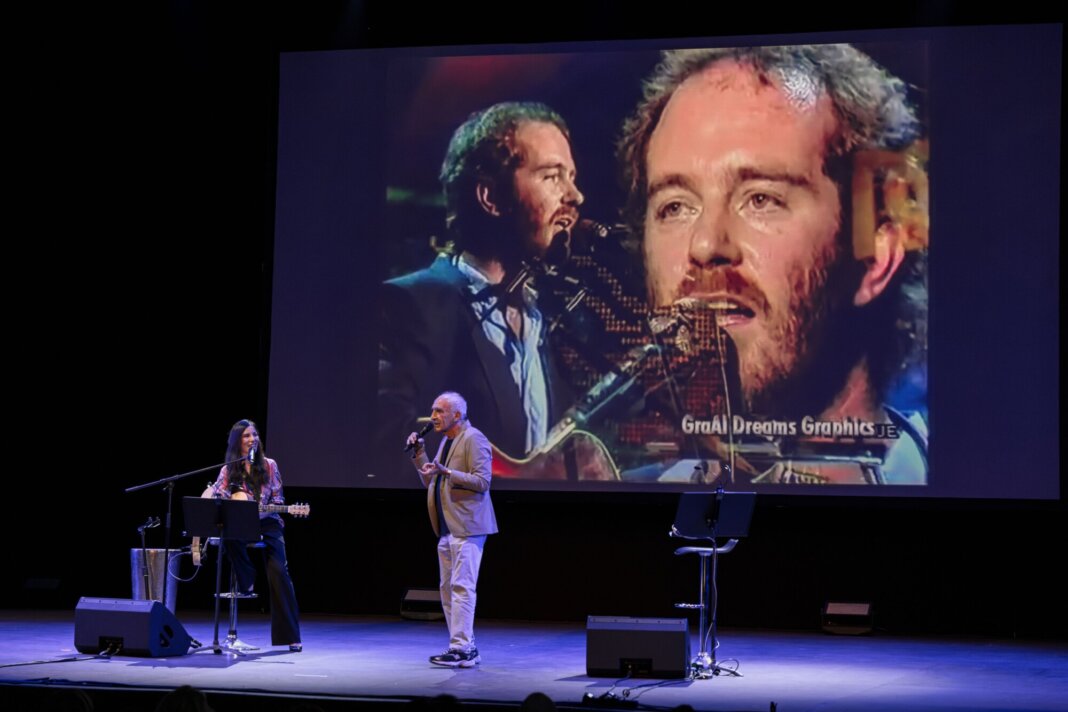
[837, 288]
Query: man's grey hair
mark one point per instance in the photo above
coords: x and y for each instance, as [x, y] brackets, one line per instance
[456, 402]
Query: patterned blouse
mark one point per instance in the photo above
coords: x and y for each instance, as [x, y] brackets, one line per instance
[270, 492]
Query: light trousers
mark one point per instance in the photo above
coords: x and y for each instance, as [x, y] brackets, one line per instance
[458, 560]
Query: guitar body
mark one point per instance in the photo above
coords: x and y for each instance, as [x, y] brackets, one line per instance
[581, 456]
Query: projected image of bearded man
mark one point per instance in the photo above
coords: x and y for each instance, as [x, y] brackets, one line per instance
[739, 166]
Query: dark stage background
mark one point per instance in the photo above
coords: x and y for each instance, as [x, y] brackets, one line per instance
[146, 166]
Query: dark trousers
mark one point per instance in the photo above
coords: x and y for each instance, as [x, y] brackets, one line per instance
[285, 617]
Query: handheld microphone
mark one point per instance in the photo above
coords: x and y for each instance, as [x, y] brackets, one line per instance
[426, 429]
[252, 455]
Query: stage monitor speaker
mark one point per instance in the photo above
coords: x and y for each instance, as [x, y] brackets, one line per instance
[422, 604]
[847, 618]
[130, 627]
[640, 647]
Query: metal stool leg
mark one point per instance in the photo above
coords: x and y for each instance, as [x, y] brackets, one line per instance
[231, 636]
[232, 643]
[704, 663]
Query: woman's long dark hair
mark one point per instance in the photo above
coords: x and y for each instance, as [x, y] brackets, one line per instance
[257, 474]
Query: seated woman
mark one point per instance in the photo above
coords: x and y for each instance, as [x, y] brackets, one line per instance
[257, 478]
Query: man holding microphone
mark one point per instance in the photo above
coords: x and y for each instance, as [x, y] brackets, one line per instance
[461, 513]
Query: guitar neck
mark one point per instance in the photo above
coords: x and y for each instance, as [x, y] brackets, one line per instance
[297, 510]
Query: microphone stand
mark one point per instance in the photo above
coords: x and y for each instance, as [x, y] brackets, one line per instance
[152, 522]
[556, 255]
[169, 482]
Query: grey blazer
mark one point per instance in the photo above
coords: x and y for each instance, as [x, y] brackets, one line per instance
[465, 497]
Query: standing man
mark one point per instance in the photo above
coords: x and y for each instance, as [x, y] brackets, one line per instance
[469, 321]
[461, 513]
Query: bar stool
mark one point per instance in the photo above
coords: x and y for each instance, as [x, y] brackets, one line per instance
[705, 517]
[232, 643]
[703, 665]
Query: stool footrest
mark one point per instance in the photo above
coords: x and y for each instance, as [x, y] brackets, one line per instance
[689, 605]
[239, 596]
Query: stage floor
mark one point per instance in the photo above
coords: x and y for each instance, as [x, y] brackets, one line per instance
[386, 658]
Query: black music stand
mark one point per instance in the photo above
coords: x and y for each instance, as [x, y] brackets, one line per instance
[227, 519]
[708, 515]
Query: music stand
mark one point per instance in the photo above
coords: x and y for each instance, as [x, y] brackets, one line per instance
[226, 519]
[708, 515]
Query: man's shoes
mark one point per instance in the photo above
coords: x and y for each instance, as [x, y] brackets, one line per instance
[295, 647]
[457, 658]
